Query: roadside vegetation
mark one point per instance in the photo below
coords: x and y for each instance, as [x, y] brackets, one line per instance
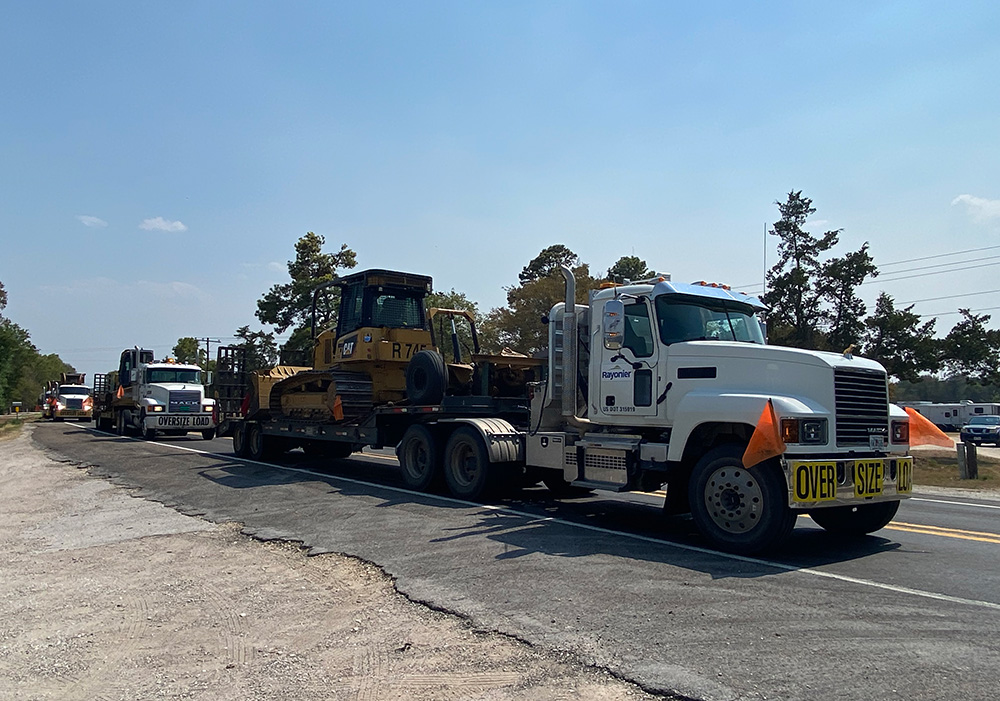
[939, 468]
[10, 425]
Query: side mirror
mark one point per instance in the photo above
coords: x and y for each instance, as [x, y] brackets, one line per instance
[614, 324]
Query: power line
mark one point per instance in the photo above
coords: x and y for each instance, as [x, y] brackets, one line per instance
[939, 255]
[937, 299]
[972, 311]
[937, 272]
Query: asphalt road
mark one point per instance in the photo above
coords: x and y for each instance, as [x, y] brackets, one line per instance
[912, 612]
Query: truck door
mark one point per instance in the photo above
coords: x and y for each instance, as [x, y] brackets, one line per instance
[628, 375]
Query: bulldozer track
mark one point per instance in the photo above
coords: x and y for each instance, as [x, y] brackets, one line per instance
[353, 388]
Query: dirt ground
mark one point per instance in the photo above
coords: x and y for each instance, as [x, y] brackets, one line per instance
[105, 596]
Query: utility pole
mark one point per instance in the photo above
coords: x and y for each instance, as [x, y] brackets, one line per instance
[208, 348]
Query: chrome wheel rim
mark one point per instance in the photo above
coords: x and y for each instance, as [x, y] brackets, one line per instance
[734, 499]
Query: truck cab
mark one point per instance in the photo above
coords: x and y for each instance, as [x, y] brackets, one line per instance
[673, 384]
[161, 397]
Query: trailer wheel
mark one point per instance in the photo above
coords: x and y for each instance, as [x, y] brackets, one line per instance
[739, 510]
[467, 467]
[426, 378]
[257, 448]
[419, 458]
[855, 520]
[240, 440]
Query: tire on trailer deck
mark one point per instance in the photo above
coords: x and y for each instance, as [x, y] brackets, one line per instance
[426, 378]
[855, 520]
[419, 458]
[739, 510]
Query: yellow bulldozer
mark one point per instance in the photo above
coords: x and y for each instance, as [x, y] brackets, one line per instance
[383, 352]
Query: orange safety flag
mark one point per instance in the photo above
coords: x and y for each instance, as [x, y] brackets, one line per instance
[924, 432]
[121, 392]
[338, 409]
[766, 439]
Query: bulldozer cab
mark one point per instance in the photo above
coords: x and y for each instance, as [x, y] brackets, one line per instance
[381, 319]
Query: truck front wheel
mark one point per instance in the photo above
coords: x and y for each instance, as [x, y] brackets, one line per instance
[855, 520]
[419, 458]
[147, 433]
[739, 510]
[467, 468]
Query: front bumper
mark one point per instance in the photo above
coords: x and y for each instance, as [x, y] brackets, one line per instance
[847, 482]
[179, 422]
[72, 413]
[991, 437]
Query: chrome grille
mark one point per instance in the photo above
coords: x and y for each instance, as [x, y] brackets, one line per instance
[862, 398]
[74, 403]
[184, 400]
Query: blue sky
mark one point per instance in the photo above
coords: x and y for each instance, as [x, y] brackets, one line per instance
[158, 161]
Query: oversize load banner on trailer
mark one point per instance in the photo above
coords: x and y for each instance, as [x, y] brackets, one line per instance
[183, 421]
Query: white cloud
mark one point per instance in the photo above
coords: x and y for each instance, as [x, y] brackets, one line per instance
[161, 224]
[276, 266]
[95, 222]
[979, 208]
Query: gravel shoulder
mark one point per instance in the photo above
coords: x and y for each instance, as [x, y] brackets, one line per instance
[108, 596]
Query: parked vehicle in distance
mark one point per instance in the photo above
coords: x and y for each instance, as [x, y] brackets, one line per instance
[981, 429]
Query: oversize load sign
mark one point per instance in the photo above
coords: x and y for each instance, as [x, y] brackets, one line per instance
[814, 481]
[184, 421]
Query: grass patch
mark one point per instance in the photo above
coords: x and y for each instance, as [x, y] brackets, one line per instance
[939, 468]
[10, 425]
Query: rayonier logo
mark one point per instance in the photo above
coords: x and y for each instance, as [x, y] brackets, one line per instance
[616, 374]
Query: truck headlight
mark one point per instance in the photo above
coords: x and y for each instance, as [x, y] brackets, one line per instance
[206, 407]
[805, 431]
[156, 407]
[900, 431]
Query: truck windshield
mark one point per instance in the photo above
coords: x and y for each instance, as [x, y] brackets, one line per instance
[79, 390]
[985, 421]
[173, 375]
[689, 318]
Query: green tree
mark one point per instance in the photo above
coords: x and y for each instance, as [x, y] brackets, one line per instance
[188, 351]
[897, 339]
[289, 305]
[519, 325]
[261, 349]
[548, 262]
[628, 268]
[795, 301]
[972, 350]
[845, 316]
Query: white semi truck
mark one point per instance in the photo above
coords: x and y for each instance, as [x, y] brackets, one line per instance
[150, 398]
[653, 384]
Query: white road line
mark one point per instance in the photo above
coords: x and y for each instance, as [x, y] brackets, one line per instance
[955, 503]
[607, 531]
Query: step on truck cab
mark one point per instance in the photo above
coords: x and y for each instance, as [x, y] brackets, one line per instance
[150, 398]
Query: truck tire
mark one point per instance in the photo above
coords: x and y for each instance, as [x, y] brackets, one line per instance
[208, 434]
[257, 448]
[426, 378]
[855, 520]
[148, 433]
[240, 440]
[419, 458]
[467, 468]
[120, 424]
[739, 510]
